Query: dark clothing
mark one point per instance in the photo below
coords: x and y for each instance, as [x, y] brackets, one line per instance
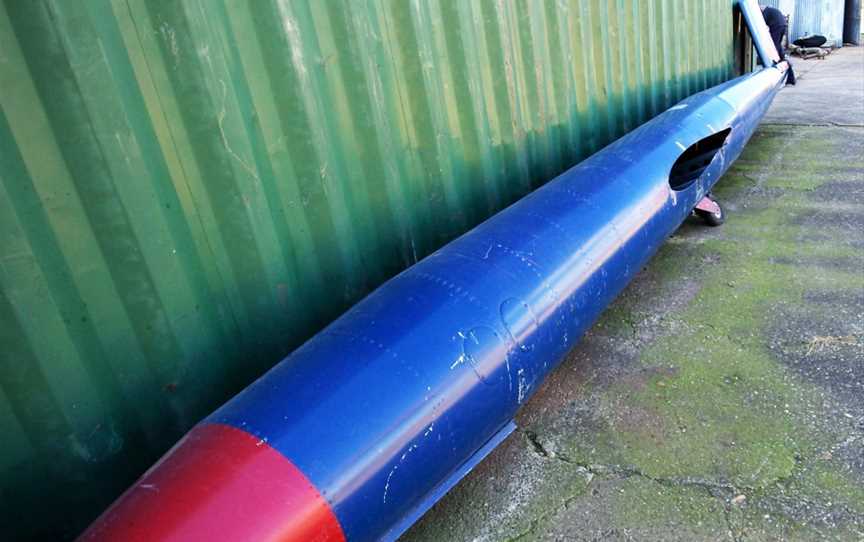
[777, 26]
[775, 20]
[811, 41]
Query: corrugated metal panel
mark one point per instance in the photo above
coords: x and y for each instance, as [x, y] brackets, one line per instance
[823, 17]
[806, 17]
[191, 189]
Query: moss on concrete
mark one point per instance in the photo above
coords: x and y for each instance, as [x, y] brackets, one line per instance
[729, 412]
[688, 423]
[640, 503]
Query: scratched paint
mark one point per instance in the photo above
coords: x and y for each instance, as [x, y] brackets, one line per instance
[189, 190]
[588, 238]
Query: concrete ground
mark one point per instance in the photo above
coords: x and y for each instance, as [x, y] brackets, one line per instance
[722, 396]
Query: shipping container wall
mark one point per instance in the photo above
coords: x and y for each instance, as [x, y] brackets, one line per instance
[807, 17]
[823, 17]
[189, 190]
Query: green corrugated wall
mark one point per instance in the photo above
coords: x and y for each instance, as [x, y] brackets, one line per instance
[188, 190]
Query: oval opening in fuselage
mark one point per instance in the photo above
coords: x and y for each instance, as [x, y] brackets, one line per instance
[695, 160]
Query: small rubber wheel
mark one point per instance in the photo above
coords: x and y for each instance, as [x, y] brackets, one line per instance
[712, 219]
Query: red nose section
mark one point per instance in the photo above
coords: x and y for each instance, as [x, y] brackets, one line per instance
[219, 483]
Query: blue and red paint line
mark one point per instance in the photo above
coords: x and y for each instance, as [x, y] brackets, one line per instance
[220, 483]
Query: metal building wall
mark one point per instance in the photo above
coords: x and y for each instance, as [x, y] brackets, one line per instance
[188, 190]
[823, 17]
[806, 17]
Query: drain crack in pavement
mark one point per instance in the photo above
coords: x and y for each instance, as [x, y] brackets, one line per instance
[622, 472]
[723, 491]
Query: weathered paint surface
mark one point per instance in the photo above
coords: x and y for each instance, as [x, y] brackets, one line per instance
[188, 190]
[823, 17]
[721, 397]
[807, 17]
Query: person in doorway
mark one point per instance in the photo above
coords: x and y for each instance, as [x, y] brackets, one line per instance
[778, 27]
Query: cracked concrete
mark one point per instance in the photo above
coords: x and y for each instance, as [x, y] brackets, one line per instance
[721, 397]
